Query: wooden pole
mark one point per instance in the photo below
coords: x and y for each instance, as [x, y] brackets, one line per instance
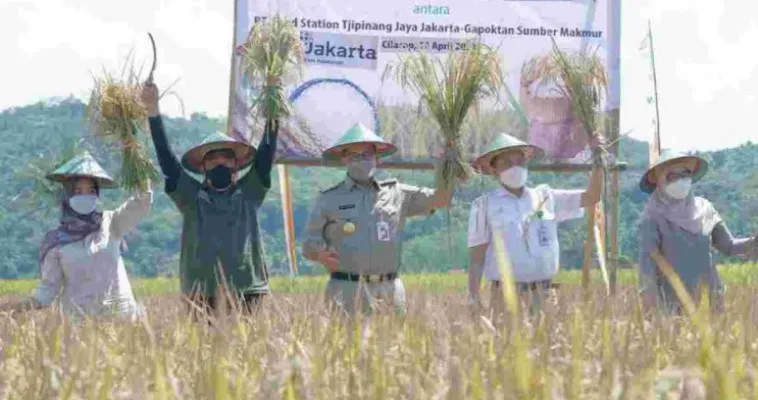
[614, 238]
[612, 199]
[289, 224]
[232, 78]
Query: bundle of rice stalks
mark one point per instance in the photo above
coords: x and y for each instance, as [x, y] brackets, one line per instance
[583, 80]
[116, 111]
[449, 87]
[272, 56]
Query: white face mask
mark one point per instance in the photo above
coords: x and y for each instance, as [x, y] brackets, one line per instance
[679, 189]
[83, 204]
[514, 177]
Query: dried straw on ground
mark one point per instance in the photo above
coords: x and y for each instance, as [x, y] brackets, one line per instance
[272, 57]
[116, 111]
[448, 87]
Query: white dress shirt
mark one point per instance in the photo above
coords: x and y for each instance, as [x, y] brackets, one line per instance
[530, 239]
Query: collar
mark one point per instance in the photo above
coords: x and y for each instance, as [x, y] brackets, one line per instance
[352, 184]
[503, 192]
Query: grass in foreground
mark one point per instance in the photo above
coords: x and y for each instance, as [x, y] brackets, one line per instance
[293, 349]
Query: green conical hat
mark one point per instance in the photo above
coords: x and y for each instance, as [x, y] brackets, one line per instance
[504, 142]
[193, 158]
[666, 158]
[359, 134]
[83, 166]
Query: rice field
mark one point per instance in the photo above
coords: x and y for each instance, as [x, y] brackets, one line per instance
[600, 348]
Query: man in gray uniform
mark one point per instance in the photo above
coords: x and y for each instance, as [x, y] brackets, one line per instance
[355, 228]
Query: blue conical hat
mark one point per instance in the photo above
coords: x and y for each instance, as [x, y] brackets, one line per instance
[357, 134]
[193, 158]
[83, 166]
[668, 157]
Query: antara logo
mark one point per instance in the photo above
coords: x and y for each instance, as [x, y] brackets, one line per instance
[431, 9]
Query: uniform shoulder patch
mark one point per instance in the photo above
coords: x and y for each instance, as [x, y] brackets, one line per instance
[387, 182]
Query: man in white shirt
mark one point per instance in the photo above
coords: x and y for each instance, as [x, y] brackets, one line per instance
[524, 218]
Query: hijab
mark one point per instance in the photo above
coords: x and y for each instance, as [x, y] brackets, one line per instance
[693, 214]
[72, 228]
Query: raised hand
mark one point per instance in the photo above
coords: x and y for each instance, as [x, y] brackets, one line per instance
[150, 98]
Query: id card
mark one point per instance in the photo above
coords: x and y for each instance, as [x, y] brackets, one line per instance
[542, 235]
[383, 231]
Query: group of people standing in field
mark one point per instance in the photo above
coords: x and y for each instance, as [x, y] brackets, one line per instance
[355, 227]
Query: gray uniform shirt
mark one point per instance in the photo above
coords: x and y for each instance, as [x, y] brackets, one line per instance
[690, 256]
[378, 215]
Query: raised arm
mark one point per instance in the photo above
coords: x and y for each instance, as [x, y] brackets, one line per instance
[264, 156]
[128, 215]
[170, 165]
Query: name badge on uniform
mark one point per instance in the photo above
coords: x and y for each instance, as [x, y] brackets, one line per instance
[383, 231]
[542, 235]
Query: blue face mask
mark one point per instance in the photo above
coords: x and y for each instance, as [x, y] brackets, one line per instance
[83, 204]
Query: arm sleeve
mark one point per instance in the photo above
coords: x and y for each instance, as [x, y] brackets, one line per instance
[567, 203]
[727, 244]
[264, 156]
[478, 228]
[314, 229]
[185, 191]
[129, 214]
[51, 280]
[416, 200]
[650, 241]
[170, 165]
[257, 182]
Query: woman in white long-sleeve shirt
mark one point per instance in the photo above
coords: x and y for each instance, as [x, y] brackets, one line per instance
[80, 261]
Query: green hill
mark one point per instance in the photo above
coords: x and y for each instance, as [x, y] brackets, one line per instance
[31, 133]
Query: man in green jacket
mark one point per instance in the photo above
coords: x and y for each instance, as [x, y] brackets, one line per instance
[221, 250]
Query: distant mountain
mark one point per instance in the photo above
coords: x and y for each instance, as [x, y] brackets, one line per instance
[32, 136]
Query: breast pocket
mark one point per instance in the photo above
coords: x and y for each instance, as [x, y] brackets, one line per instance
[343, 227]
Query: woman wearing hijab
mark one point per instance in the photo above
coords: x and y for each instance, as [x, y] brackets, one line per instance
[682, 228]
[80, 261]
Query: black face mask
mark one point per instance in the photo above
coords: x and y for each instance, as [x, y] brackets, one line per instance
[220, 177]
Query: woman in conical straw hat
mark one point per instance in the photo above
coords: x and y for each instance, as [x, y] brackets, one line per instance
[682, 228]
[80, 261]
[221, 258]
[355, 227]
[523, 218]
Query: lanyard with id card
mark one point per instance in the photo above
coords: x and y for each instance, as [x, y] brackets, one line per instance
[383, 231]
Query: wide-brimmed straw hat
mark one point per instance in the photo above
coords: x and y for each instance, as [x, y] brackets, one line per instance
[83, 166]
[359, 134]
[669, 157]
[243, 152]
[502, 143]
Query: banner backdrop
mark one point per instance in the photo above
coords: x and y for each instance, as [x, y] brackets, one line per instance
[351, 46]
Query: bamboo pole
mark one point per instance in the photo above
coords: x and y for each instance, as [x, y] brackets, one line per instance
[289, 225]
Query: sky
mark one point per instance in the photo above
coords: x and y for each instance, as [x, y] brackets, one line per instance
[705, 58]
